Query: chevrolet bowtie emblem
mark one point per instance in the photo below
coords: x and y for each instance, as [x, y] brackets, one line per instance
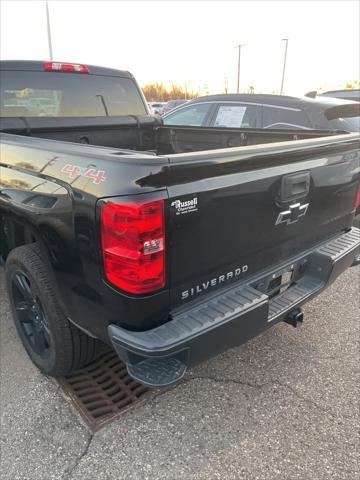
[292, 214]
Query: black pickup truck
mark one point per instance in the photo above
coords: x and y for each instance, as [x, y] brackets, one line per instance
[170, 244]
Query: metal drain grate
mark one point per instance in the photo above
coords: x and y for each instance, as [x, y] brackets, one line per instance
[102, 390]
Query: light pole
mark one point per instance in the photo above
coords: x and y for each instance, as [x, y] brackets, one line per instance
[238, 72]
[286, 40]
[48, 30]
[226, 85]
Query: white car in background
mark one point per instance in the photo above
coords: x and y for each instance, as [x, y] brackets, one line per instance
[156, 107]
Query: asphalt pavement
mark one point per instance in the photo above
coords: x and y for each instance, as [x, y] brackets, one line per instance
[284, 406]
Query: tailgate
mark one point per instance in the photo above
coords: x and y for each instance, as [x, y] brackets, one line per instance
[235, 212]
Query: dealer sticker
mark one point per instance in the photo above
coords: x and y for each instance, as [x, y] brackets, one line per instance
[187, 206]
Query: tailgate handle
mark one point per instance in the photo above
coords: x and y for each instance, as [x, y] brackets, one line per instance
[294, 186]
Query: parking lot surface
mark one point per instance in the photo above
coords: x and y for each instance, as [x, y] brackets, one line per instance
[283, 406]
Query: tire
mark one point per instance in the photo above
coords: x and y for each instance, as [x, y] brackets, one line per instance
[53, 343]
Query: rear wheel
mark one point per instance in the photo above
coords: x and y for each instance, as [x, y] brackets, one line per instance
[54, 344]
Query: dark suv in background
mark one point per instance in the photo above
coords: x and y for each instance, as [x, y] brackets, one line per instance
[267, 111]
[353, 95]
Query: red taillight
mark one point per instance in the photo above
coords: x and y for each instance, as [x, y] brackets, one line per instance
[65, 67]
[357, 199]
[133, 245]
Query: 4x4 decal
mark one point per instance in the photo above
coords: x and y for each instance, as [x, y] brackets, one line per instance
[74, 171]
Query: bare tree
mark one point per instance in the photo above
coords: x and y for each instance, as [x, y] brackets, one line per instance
[158, 92]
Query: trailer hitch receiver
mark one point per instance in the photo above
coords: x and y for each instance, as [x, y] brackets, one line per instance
[295, 317]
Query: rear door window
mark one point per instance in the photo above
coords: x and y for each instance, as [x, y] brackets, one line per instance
[236, 116]
[192, 115]
[282, 117]
[57, 94]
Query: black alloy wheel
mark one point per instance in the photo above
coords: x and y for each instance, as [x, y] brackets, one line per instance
[30, 315]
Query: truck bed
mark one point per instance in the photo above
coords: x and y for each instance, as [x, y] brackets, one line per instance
[147, 133]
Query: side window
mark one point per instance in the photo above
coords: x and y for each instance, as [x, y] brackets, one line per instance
[236, 116]
[275, 117]
[193, 115]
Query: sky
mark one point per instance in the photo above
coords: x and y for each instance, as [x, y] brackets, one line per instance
[194, 42]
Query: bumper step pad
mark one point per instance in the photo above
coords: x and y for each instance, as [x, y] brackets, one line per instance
[161, 372]
[340, 246]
